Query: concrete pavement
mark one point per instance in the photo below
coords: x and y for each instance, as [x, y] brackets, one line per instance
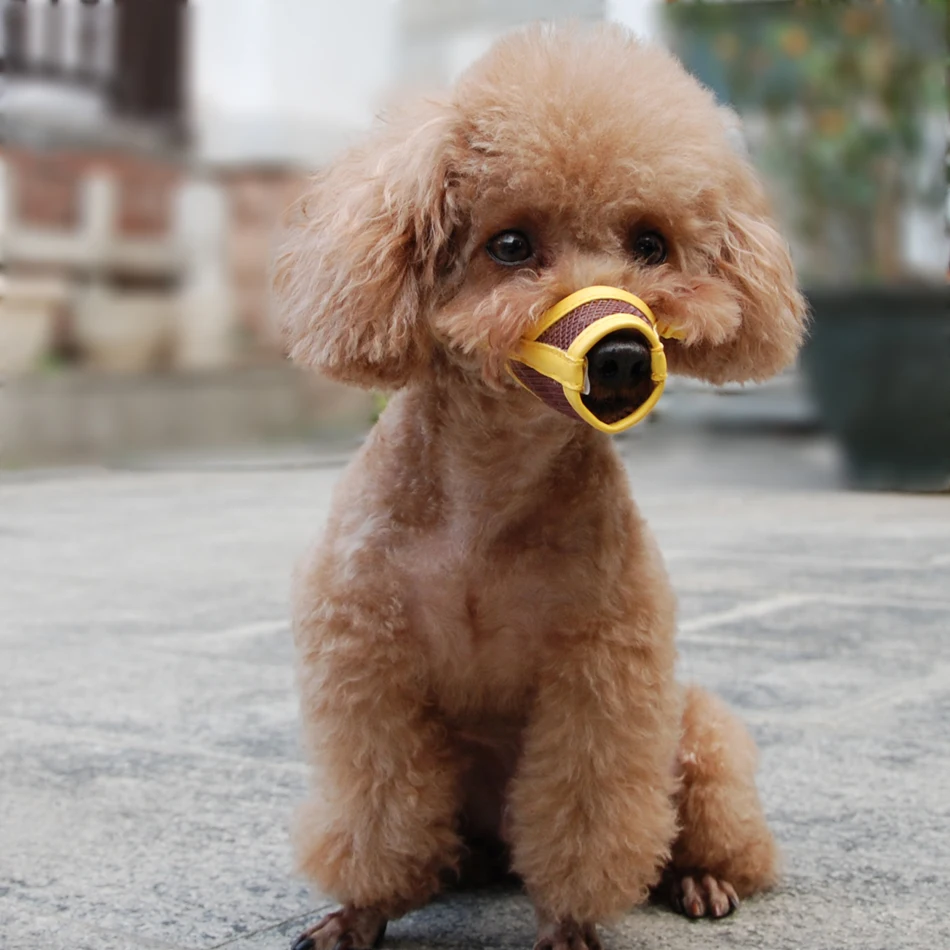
[148, 752]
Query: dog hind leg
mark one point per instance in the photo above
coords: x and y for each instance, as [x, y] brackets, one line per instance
[724, 849]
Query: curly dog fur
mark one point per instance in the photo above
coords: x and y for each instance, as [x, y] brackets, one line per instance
[486, 632]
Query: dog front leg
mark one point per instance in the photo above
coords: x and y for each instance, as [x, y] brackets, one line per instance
[380, 827]
[590, 815]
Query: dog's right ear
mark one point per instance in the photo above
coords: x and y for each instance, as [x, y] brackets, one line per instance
[370, 237]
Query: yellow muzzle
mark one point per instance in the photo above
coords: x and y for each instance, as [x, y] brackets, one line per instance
[553, 360]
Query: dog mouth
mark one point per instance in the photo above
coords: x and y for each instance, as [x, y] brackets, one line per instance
[619, 376]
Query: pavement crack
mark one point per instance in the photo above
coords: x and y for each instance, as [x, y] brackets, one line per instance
[301, 918]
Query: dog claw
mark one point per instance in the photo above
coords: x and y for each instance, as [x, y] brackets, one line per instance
[695, 894]
[345, 929]
[722, 897]
[693, 903]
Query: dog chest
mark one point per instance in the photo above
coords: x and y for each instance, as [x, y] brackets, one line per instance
[482, 619]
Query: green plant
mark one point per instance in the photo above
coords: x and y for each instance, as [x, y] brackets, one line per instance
[846, 96]
[379, 404]
[51, 364]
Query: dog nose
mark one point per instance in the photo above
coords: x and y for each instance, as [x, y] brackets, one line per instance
[619, 360]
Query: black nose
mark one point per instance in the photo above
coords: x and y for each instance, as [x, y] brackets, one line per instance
[618, 360]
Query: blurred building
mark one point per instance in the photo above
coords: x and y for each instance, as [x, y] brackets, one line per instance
[437, 39]
[91, 166]
[149, 151]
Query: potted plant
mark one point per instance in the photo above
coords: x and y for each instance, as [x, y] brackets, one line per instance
[845, 106]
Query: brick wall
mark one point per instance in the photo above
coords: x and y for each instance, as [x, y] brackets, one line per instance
[47, 193]
[46, 188]
[258, 201]
[146, 198]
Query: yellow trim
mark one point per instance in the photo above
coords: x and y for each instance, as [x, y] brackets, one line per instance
[563, 367]
[670, 333]
[581, 344]
[627, 422]
[596, 332]
[569, 368]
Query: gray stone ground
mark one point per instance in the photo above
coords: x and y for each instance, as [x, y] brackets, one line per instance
[148, 752]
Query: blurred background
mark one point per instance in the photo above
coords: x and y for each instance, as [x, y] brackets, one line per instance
[150, 148]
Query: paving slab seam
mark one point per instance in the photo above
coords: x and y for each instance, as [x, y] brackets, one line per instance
[239, 631]
[808, 560]
[217, 656]
[733, 642]
[143, 648]
[922, 602]
[156, 648]
[93, 737]
[300, 919]
[229, 635]
[756, 608]
[918, 689]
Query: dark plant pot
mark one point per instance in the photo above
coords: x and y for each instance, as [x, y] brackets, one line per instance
[878, 366]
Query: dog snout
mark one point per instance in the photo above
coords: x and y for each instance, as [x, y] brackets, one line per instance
[618, 361]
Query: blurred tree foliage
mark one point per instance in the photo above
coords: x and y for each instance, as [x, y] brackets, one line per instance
[846, 95]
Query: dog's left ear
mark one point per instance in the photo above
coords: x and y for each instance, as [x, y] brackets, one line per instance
[753, 292]
[354, 276]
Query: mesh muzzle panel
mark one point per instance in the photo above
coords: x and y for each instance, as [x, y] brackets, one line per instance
[561, 334]
[546, 389]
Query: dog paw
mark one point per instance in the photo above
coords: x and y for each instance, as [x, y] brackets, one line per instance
[346, 929]
[697, 894]
[567, 935]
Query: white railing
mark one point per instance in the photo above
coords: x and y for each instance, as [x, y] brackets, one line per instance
[190, 309]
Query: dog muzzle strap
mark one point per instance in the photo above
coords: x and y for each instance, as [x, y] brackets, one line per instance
[597, 355]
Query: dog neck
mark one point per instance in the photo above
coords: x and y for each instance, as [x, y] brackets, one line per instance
[500, 448]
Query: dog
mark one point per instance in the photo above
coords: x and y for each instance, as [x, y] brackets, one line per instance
[485, 635]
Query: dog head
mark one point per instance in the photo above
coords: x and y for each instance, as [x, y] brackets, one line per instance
[565, 158]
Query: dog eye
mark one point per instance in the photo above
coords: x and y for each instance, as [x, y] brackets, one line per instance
[510, 247]
[649, 247]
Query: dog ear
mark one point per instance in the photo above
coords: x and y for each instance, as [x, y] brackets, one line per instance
[755, 310]
[353, 277]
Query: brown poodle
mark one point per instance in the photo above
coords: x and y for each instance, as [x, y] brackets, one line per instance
[486, 633]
